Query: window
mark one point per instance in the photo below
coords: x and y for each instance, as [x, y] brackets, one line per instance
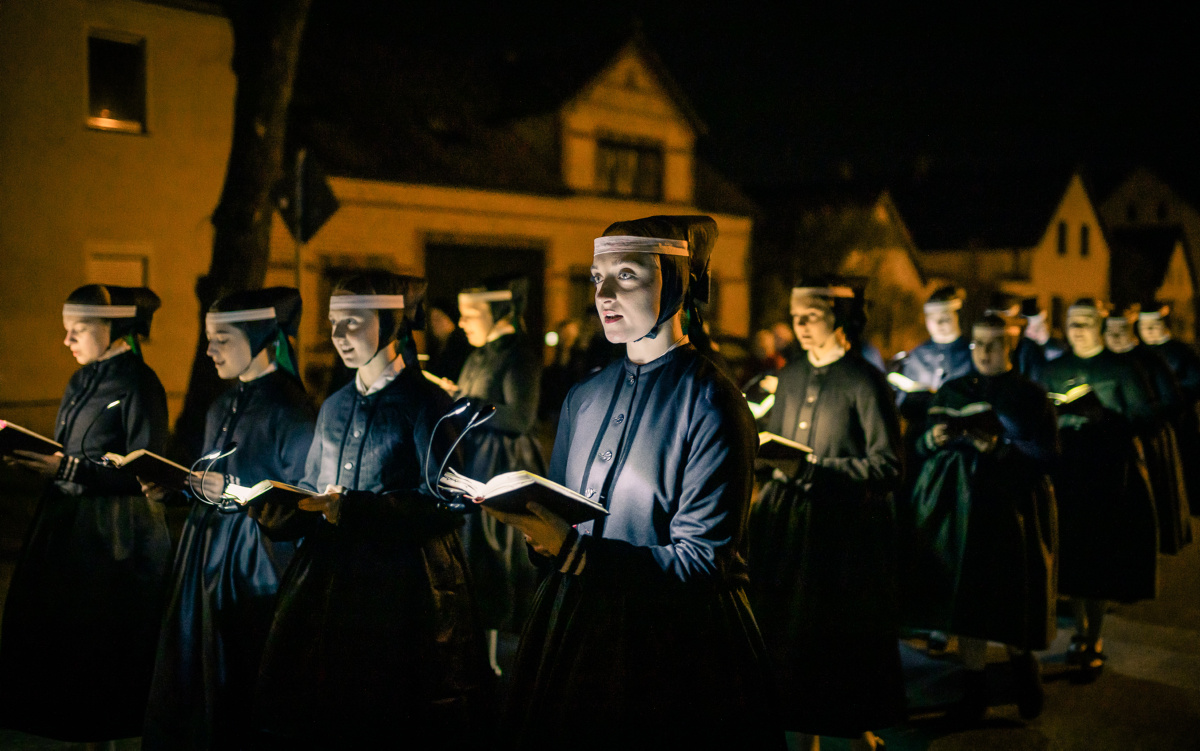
[629, 170]
[1062, 238]
[1058, 313]
[116, 83]
[1084, 240]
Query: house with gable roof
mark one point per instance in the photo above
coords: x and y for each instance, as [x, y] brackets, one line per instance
[513, 169]
[1028, 235]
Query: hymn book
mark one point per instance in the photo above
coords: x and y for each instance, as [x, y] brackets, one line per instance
[267, 491]
[906, 384]
[1072, 395]
[976, 419]
[1081, 400]
[15, 438]
[511, 491]
[777, 452]
[150, 467]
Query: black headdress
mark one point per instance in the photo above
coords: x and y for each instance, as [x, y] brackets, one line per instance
[128, 310]
[267, 316]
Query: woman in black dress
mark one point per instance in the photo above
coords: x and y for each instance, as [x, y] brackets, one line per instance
[641, 635]
[83, 609]
[1108, 527]
[375, 633]
[503, 370]
[226, 570]
[822, 543]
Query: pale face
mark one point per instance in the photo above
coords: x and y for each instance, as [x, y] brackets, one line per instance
[475, 319]
[87, 338]
[1119, 338]
[1153, 330]
[990, 351]
[229, 348]
[813, 325]
[1037, 330]
[355, 335]
[628, 291]
[943, 326]
[1083, 333]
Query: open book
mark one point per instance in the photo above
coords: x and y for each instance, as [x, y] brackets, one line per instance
[977, 418]
[151, 467]
[906, 384]
[15, 438]
[445, 383]
[267, 491]
[780, 453]
[510, 492]
[1074, 394]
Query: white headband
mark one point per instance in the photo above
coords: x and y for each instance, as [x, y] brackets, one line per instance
[100, 311]
[498, 295]
[843, 292]
[1117, 321]
[238, 316]
[366, 302]
[1152, 315]
[937, 306]
[635, 244]
[1084, 310]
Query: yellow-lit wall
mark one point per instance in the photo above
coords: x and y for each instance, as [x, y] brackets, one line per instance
[627, 100]
[68, 192]
[394, 221]
[1071, 276]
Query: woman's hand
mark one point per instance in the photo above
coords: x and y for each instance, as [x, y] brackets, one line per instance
[769, 383]
[153, 491]
[939, 434]
[44, 465]
[545, 530]
[211, 483]
[328, 503]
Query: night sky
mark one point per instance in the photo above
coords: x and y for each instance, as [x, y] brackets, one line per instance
[812, 94]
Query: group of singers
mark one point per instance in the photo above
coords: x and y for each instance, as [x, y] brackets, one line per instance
[694, 612]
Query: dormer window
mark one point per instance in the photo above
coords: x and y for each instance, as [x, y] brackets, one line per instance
[626, 169]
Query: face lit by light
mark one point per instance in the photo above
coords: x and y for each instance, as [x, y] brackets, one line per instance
[1037, 330]
[990, 350]
[1153, 330]
[229, 348]
[475, 319]
[1118, 336]
[355, 335]
[943, 326]
[628, 291]
[87, 338]
[813, 324]
[1083, 333]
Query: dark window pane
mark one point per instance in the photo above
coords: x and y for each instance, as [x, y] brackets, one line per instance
[1084, 240]
[116, 85]
[1062, 238]
[629, 170]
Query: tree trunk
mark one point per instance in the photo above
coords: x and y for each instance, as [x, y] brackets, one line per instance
[266, 38]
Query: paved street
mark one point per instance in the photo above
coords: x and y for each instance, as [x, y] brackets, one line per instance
[1147, 698]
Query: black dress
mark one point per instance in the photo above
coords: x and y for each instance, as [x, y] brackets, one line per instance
[376, 634]
[823, 552]
[641, 635]
[1108, 529]
[931, 364]
[83, 610]
[225, 576]
[1163, 459]
[1185, 364]
[986, 535]
[505, 373]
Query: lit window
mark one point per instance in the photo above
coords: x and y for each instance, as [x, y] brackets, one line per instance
[116, 83]
[629, 170]
[1084, 240]
[1062, 238]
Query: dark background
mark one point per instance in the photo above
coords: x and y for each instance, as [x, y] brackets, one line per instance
[812, 93]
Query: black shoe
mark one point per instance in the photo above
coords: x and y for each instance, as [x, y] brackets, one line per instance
[1076, 653]
[1092, 664]
[1027, 677]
